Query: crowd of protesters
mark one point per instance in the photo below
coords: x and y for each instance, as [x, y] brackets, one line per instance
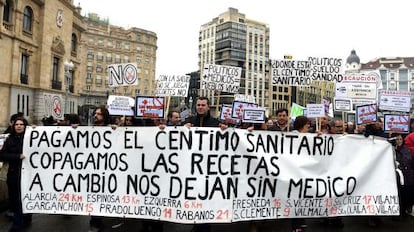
[11, 153]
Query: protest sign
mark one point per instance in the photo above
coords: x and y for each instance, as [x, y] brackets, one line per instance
[244, 98]
[120, 105]
[342, 105]
[205, 175]
[360, 87]
[366, 114]
[296, 110]
[122, 74]
[53, 105]
[291, 72]
[172, 85]
[149, 107]
[397, 123]
[303, 72]
[326, 69]
[237, 108]
[221, 78]
[254, 115]
[315, 110]
[225, 115]
[395, 100]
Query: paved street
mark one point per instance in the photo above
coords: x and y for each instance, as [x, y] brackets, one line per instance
[59, 223]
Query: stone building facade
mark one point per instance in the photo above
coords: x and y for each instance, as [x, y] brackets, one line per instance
[107, 44]
[38, 37]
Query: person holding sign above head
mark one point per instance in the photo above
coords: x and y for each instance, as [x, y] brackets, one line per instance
[203, 119]
[12, 152]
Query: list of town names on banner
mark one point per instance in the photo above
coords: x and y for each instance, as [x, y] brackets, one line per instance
[201, 175]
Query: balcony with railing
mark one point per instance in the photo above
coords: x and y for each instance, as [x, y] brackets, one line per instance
[57, 85]
[8, 26]
[24, 79]
[71, 88]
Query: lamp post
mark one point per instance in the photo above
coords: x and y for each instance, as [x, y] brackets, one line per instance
[68, 69]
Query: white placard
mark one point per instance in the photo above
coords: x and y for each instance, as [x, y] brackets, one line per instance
[122, 74]
[120, 105]
[172, 85]
[342, 104]
[221, 78]
[303, 72]
[395, 100]
[315, 110]
[254, 115]
[244, 98]
[53, 105]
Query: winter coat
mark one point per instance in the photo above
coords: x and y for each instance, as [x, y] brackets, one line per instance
[206, 121]
[11, 151]
[405, 158]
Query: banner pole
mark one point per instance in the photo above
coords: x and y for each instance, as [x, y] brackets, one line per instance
[218, 104]
[168, 107]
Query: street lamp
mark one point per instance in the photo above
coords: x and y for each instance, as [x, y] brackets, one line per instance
[68, 71]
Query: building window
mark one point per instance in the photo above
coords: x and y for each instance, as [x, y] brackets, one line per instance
[27, 19]
[100, 42]
[55, 69]
[24, 69]
[7, 12]
[56, 84]
[98, 80]
[99, 68]
[74, 44]
[108, 57]
[118, 44]
[90, 55]
[99, 57]
[88, 77]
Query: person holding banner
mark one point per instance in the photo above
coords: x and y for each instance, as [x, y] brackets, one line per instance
[281, 123]
[101, 118]
[173, 118]
[301, 125]
[203, 119]
[12, 152]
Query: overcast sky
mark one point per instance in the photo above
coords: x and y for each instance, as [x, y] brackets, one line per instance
[301, 28]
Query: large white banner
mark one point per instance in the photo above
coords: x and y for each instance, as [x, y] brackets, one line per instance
[201, 175]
